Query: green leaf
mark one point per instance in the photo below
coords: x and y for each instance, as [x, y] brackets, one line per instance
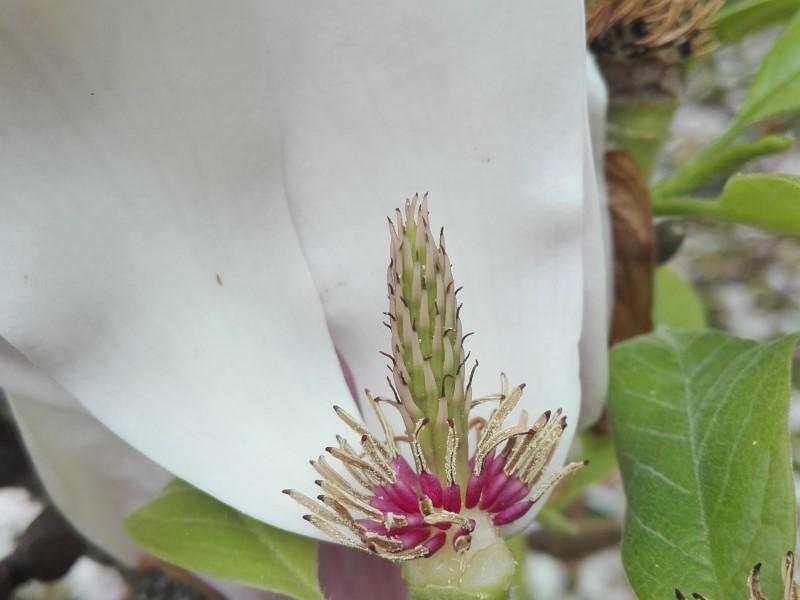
[701, 427]
[193, 530]
[719, 161]
[675, 303]
[766, 200]
[738, 19]
[775, 90]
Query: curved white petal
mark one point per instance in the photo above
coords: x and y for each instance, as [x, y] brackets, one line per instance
[153, 269]
[92, 476]
[184, 181]
[483, 108]
[597, 270]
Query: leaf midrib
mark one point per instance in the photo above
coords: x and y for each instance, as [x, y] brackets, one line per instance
[748, 357]
[691, 444]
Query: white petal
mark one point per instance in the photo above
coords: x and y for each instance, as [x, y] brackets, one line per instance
[593, 338]
[150, 148]
[153, 269]
[597, 271]
[484, 109]
[92, 476]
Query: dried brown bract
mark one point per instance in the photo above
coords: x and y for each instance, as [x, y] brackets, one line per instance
[634, 247]
[636, 27]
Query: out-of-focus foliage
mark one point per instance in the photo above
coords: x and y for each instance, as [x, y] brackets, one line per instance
[774, 91]
[709, 166]
[675, 302]
[598, 450]
[765, 200]
[741, 17]
[700, 421]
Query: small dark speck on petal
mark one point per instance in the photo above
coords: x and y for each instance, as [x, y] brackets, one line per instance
[219, 279]
[91, 93]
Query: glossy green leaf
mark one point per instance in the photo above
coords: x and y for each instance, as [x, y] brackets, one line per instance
[700, 421]
[775, 90]
[737, 19]
[765, 200]
[191, 529]
[675, 302]
[717, 161]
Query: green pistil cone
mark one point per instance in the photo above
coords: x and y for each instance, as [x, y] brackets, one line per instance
[428, 359]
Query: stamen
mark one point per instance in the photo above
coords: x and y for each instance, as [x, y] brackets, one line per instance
[322, 467]
[373, 451]
[432, 488]
[525, 443]
[410, 554]
[348, 500]
[485, 446]
[358, 464]
[499, 415]
[434, 543]
[485, 399]
[505, 434]
[359, 428]
[555, 479]
[343, 513]
[388, 433]
[539, 452]
[451, 453]
[334, 533]
[754, 583]
[351, 421]
[390, 544]
[439, 516]
[462, 541]
[356, 473]
[791, 592]
[315, 507]
[393, 521]
[416, 448]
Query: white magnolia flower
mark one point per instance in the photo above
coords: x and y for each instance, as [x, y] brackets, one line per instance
[194, 197]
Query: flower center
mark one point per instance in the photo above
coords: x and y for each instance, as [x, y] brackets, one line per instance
[385, 506]
[400, 513]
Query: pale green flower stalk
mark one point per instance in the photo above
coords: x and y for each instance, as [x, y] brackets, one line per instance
[443, 517]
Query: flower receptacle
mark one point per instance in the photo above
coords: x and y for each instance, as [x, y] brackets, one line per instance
[484, 572]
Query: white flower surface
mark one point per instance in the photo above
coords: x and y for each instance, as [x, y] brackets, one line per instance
[194, 198]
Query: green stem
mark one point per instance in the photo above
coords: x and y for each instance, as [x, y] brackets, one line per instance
[685, 206]
[710, 160]
[640, 128]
